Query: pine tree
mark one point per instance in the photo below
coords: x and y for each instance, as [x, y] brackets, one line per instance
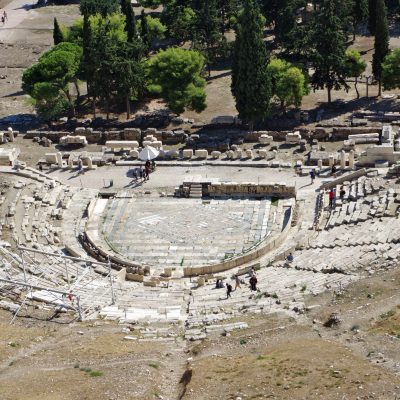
[329, 39]
[58, 36]
[381, 44]
[251, 82]
[130, 20]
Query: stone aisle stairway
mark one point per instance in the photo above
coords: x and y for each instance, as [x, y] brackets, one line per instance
[196, 190]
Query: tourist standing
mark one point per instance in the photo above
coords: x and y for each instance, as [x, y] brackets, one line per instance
[331, 198]
[5, 16]
[312, 175]
[80, 166]
[147, 168]
[237, 282]
[342, 193]
[253, 282]
[228, 290]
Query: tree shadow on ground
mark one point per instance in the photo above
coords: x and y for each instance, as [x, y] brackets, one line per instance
[340, 107]
[25, 7]
[221, 75]
[19, 93]
[20, 122]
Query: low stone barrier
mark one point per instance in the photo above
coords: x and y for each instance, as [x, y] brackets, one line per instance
[101, 137]
[251, 189]
[341, 133]
[348, 177]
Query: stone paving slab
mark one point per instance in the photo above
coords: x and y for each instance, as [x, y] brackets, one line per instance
[184, 232]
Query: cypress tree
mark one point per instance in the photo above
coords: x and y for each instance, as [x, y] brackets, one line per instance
[130, 20]
[285, 21]
[329, 39]
[251, 82]
[58, 36]
[226, 10]
[359, 13]
[269, 9]
[381, 44]
[103, 7]
[208, 28]
[371, 16]
[87, 61]
[144, 30]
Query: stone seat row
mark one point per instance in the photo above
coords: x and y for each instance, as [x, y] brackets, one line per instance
[40, 204]
[369, 232]
[384, 205]
[344, 259]
[360, 188]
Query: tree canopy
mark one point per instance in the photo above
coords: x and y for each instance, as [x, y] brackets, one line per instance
[48, 80]
[391, 70]
[175, 75]
[354, 66]
[288, 83]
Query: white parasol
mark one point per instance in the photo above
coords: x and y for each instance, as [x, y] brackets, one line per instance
[148, 153]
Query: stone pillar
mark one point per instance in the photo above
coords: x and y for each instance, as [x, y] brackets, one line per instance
[70, 163]
[59, 160]
[331, 161]
[351, 159]
[320, 164]
[342, 159]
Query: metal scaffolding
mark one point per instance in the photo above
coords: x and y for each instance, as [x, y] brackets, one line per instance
[62, 282]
